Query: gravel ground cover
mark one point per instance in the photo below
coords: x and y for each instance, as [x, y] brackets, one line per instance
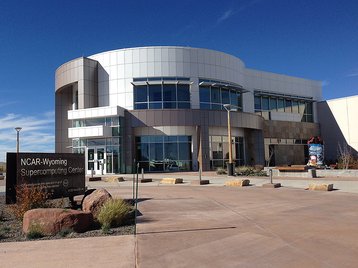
[11, 228]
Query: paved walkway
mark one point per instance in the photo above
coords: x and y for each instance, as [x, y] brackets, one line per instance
[214, 226]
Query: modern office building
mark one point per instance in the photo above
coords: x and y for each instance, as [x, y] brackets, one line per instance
[166, 107]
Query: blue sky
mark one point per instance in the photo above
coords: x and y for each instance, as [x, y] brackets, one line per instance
[313, 39]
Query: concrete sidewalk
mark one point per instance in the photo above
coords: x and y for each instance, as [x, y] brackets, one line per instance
[247, 227]
[343, 184]
[213, 226]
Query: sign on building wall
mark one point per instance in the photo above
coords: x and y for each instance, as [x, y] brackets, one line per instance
[60, 174]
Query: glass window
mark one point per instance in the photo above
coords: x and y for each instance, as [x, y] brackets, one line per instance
[205, 106]
[184, 138]
[309, 118]
[155, 93]
[145, 139]
[96, 142]
[273, 104]
[156, 151]
[156, 138]
[288, 104]
[95, 122]
[140, 94]
[143, 152]
[116, 131]
[216, 106]
[90, 154]
[219, 150]
[225, 96]
[294, 106]
[184, 105]
[280, 105]
[169, 93]
[141, 106]
[170, 138]
[301, 107]
[158, 96]
[159, 153]
[155, 105]
[184, 151]
[204, 94]
[183, 93]
[215, 95]
[309, 108]
[169, 105]
[257, 103]
[171, 151]
[235, 99]
[265, 103]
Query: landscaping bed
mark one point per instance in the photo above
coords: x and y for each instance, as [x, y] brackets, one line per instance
[11, 228]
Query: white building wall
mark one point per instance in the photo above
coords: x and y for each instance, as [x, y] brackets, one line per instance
[118, 68]
[283, 84]
[345, 111]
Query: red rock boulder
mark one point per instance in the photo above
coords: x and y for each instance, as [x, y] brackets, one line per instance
[94, 201]
[50, 221]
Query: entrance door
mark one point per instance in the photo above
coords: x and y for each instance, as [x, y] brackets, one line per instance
[96, 161]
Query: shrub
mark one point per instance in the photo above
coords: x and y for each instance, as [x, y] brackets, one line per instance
[113, 213]
[29, 197]
[249, 171]
[35, 232]
[3, 231]
[106, 229]
[220, 171]
[65, 232]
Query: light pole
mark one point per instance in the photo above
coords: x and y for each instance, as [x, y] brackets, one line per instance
[230, 166]
[18, 138]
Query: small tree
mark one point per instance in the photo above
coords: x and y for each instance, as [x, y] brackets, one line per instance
[345, 156]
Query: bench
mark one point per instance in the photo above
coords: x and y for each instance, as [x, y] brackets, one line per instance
[297, 171]
[295, 168]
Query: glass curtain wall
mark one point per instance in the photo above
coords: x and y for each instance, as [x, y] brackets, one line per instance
[213, 98]
[112, 145]
[164, 153]
[163, 93]
[219, 151]
[265, 104]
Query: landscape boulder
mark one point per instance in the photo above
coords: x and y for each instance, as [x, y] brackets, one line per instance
[94, 201]
[50, 221]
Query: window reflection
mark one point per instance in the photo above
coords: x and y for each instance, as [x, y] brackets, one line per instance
[213, 98]
[219, 151]
[265, 104]
[164, 153]
[162, 96]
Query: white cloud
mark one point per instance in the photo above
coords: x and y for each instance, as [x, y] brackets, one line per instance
[230, 12]
[227, 14]
[8, 103]
[352, 74]
[37, 134]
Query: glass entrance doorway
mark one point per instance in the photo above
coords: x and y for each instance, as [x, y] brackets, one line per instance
[96, 161]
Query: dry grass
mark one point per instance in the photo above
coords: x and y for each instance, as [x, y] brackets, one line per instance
[113, 213]
[29, 197]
